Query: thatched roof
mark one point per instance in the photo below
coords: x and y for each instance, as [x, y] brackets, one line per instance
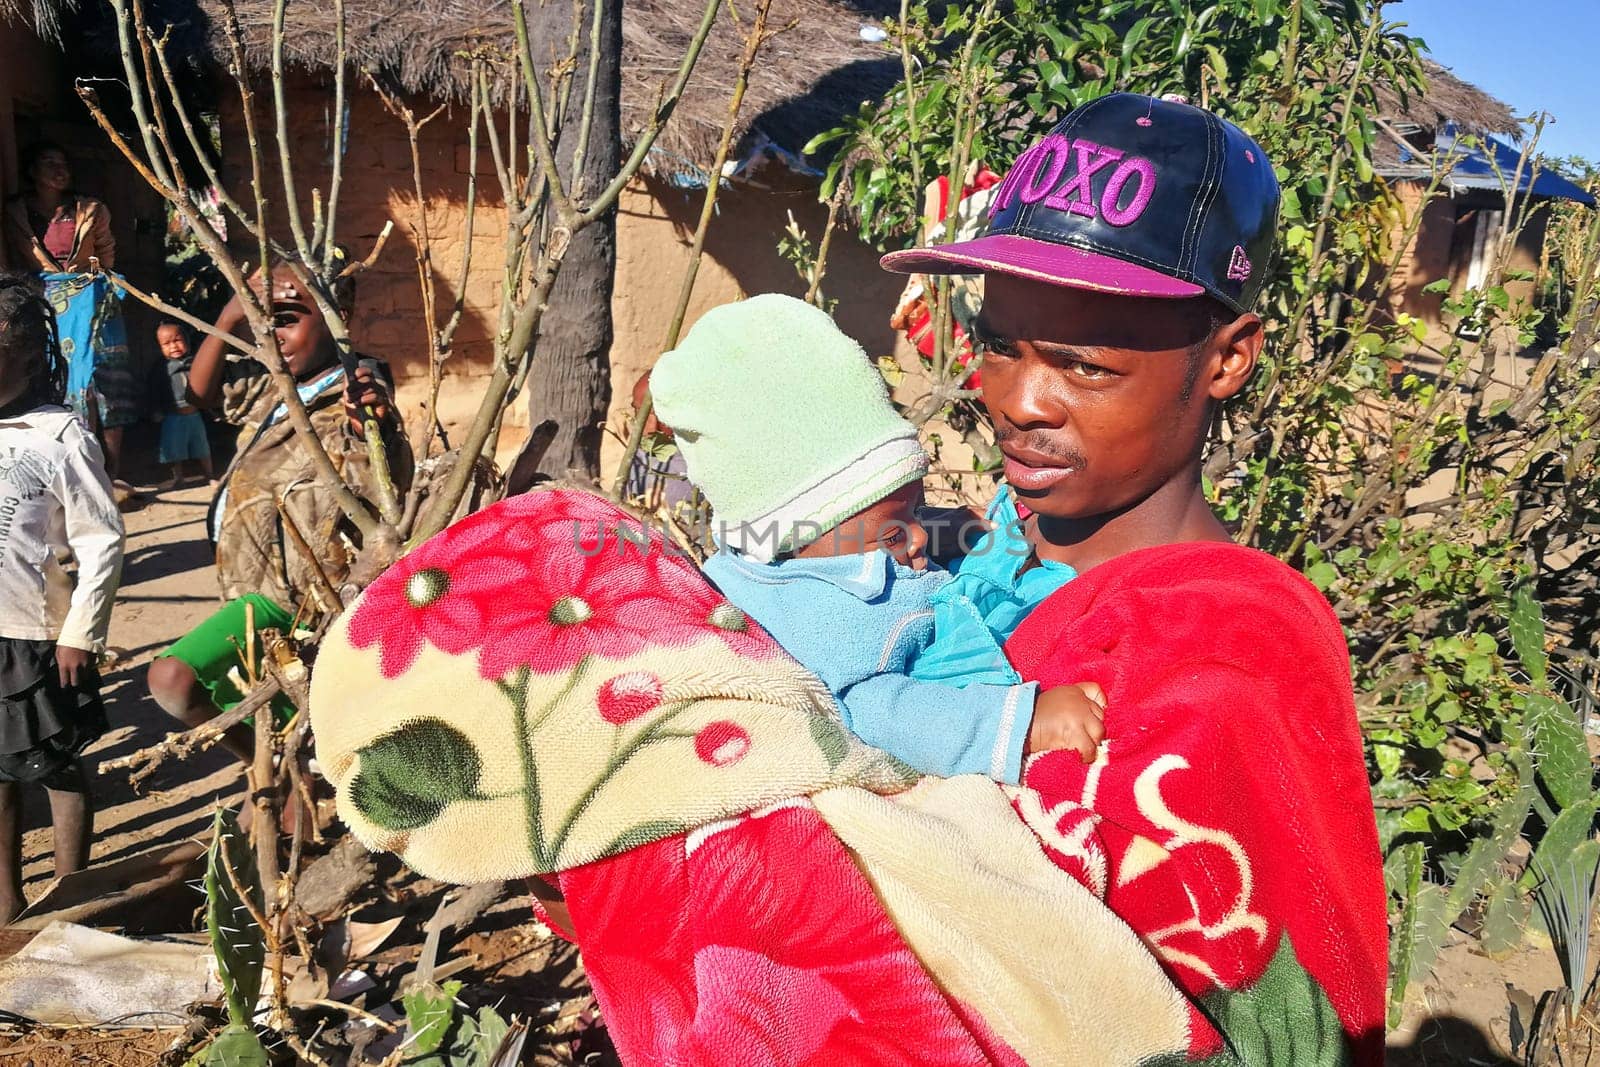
[45, 16]
[1449, 99]
[806, 79]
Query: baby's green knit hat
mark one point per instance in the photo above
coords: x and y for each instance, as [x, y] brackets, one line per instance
[784, 423]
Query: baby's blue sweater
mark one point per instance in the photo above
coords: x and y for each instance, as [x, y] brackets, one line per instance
[861, 623]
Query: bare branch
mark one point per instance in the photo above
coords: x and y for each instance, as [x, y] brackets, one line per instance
[708, 206]
[543, 148]
[336, 180]
[658, 121]
[280, 112]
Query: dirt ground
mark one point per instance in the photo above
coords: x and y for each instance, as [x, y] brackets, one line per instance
[1463, 1015]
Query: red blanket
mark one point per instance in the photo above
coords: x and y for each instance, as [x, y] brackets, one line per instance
[1229, 821]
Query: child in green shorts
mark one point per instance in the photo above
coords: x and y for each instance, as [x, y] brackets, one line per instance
[271, 483]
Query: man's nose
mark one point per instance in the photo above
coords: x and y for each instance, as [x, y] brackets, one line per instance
[1025, 397]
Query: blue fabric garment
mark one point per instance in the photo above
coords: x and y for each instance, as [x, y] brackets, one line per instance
[183, 437]
[978, 611]
[859, 622]
[94, 342]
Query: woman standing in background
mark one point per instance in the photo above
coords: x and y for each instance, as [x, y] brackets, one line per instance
[66, 237]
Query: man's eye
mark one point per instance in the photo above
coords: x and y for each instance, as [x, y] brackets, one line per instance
[284, 320]
[993, 347]
[1087, 371]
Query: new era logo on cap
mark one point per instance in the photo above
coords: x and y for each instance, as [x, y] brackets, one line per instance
[1239, 265]
[1129, 195]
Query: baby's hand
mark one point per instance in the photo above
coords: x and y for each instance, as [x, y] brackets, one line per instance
[1069, 716]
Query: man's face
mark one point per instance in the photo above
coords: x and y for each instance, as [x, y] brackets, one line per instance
[303, 336]
[1097, 400]
[172, 342]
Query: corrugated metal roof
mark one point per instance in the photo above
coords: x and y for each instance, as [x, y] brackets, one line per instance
[1483, 163]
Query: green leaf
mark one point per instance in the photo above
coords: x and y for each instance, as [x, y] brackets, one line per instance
[1561, 889]
[1561, 750]
[1526, 623]
[429, 1013]
[409, 776]
[1051, 74]
[236, 938]
[1437, 287]
[830, 738]
[1134, 36]
[237, 1046]
[643, 834]
[1290, 204]
[1219, 65]
[1323, 575]
[1572, 828]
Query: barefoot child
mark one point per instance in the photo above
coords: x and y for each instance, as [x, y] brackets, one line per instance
[55, 499]
[816, 483]
[183, 431]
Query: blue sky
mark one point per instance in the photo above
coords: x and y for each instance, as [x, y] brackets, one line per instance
[1533, 54]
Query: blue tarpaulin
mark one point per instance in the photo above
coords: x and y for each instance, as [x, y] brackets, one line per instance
[1475, 166]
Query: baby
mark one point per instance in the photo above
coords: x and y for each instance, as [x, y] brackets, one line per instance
[183, 431]
[816, 484]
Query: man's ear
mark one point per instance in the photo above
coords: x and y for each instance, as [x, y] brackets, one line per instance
[1236, 348]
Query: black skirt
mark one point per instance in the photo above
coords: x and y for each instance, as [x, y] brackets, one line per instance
[43, 725]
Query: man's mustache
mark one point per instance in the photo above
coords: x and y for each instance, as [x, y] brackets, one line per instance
[1040, 444]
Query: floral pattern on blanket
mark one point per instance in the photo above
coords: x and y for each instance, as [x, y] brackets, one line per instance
[542, 617]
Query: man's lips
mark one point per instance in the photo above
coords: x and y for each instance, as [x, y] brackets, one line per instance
[1031, 472]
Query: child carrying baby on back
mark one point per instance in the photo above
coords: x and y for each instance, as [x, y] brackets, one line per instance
[816, 486]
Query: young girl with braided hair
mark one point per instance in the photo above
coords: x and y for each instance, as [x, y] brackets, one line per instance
[55, 503]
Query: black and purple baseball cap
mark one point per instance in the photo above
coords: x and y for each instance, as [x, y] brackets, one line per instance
[1131, 195]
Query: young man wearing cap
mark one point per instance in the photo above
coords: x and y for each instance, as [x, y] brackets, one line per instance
[1228, 820]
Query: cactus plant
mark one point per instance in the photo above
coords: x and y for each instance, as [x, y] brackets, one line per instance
[443, 1037]
[233, 900]
[1430, 910]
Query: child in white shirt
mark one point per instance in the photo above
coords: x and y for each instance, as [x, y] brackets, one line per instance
[55, 500]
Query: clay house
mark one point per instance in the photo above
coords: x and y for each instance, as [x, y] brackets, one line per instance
[808, 78]
[1480, 137]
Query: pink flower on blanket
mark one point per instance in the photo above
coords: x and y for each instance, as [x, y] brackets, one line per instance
[748, 1001]
[444, 593]
[737, 630]
[628, 696]
[542, 581]
[721, 743]
[577, 606]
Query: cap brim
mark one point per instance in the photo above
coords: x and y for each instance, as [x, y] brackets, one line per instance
[1041, 261]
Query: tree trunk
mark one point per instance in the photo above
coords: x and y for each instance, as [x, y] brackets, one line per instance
[569, 381]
